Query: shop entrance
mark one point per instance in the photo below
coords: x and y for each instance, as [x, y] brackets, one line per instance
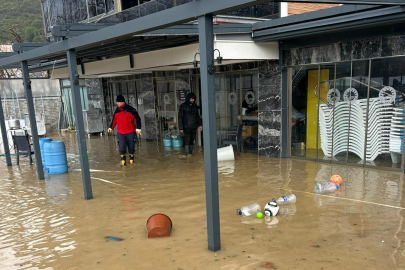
[349, 112]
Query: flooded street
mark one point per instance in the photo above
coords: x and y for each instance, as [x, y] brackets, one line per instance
[48, 225]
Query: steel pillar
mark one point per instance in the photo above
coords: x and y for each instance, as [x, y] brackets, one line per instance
[33, 119]
[206, 39]
[4, 135]
[78, 113]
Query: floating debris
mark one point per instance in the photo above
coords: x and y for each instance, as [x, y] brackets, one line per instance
[268, 265]
[113, 238]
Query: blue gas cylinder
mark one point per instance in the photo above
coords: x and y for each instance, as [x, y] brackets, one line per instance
[178, 142]
[167, 142]
[42, 141]
[55, 157]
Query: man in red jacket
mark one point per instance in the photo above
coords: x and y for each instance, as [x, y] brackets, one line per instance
[128, 123]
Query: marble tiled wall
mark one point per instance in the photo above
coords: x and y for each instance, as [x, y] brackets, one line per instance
[269, 108]
[346, 51]
[147, 95]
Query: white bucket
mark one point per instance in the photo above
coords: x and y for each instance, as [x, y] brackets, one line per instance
[225, 153]
[244, 111]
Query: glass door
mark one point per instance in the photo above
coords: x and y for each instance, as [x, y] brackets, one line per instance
[303, 114]
[167, 108]
[387, 89]
[67, 103]
[357, 109]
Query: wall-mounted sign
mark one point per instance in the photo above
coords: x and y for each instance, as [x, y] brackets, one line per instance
[333, 96]
[166, 98]
[387, 95]
[182, 94]
[232, 98]
[250, 97]
[350, 94]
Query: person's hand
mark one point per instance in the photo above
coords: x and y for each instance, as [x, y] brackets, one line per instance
[109, 130]
[181, 131]
[200, 127]
[139, 132]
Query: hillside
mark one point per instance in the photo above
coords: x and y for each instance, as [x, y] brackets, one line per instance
[24, 17]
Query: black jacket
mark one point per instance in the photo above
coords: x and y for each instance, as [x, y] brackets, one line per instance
[188, 114]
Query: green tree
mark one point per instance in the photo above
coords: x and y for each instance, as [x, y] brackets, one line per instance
[24, 17]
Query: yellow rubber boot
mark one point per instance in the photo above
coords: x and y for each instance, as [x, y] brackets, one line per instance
[123, 160]
[131, 159]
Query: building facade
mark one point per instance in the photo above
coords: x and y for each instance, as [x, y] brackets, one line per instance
[326, 85]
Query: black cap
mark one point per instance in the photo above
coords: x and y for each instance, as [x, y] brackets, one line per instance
[120, 98]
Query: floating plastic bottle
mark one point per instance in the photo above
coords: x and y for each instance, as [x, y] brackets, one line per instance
[249, 210]
[325, 187]
[286, 199]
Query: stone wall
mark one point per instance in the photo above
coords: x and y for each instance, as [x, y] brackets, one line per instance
[269, 108]
[147, 95]
[346, 51]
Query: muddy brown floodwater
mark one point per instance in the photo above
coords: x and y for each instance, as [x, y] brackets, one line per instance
[48, 225]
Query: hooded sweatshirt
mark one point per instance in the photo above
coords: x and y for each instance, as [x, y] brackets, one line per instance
[189, 117]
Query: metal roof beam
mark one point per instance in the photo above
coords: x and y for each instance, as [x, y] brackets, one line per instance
[314, 15]
[118, 52]
[169, 17]
[134, 44]
[76, 29]
[364, 19]
[7, 54]
[23, 47]
[192, 29]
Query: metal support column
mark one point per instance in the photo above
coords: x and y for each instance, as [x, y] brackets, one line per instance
[78, 113]
[4, 135]
[207, 69]
[33, 119]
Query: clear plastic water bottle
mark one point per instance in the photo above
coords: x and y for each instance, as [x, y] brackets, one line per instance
[325, 187]
[286, 199]
[249, 210]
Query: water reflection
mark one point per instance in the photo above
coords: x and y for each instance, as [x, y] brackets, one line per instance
[288, 209]
[57, 188]
[271, 222]
[226, 167]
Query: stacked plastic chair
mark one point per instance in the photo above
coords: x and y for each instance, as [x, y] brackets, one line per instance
[378, 130]
[396, 134]
[346, 128]
[336, 127]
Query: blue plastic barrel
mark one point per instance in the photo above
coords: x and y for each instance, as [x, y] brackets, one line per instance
[177, 143]
[41, 147]
[55, 157]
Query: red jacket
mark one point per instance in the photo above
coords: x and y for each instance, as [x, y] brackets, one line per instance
[127, 119]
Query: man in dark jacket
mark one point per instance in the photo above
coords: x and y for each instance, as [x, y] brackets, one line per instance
[189, 121]
[128, 123]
